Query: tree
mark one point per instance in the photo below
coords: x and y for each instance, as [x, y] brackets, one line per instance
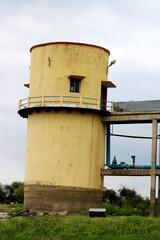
[2, 195]
[109, 195]
[19, 194]
[130, 196]
[9, 190]
[127, 193]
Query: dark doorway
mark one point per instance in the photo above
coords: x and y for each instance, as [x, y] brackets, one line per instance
[103, 98]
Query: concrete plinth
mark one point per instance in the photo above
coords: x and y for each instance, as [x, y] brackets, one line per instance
[55, 199]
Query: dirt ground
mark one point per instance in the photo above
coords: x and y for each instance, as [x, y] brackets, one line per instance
[4, 210]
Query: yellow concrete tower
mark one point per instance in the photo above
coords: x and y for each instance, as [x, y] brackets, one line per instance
[66, 137]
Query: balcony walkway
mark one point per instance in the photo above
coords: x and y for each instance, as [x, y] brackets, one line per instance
[64, 101]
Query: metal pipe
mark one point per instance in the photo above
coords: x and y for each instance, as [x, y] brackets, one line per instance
[122, 165]
[134, 160]
[144, 167]
[140, 166]
[19, 213]
[108, 146]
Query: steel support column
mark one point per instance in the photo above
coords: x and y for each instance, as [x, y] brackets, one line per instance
[153, 168]
[158, 206]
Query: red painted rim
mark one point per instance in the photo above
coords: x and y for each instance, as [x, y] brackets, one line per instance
[76, 43]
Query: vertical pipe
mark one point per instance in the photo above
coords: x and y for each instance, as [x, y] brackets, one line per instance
[153, 168]
[108, 145]
[158, 206]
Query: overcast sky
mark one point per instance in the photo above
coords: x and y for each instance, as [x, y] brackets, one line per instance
[129, 29]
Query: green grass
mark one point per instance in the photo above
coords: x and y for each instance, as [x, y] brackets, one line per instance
[15, 208]
[142, 209]
[12, 208]
[16, 205]
[4, 206]
[79, 227]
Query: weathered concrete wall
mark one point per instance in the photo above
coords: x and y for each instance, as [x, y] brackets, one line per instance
[65, 60]
[56, 199]
[65, 150]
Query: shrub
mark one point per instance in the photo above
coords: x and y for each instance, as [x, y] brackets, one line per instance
[110, 208]
[126, 203]
[15, 208]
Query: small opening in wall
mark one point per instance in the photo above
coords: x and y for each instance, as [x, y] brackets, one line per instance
[75, 85]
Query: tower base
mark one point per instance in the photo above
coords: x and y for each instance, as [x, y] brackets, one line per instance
[57, 199]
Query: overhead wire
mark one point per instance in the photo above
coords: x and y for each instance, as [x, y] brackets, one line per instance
[129, 136]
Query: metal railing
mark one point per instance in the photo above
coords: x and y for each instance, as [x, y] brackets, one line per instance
[66, 101]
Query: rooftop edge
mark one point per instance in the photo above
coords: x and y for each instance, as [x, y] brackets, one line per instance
[76, 43]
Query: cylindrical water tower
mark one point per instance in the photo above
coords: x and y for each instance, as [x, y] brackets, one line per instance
[65, 137]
